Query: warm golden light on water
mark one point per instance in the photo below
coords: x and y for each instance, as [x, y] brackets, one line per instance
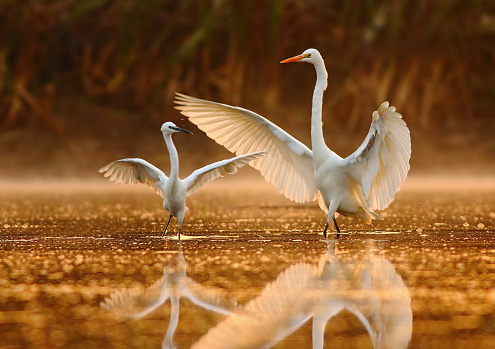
[66, 246]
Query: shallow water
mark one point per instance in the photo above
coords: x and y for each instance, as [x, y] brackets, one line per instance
[83, 265]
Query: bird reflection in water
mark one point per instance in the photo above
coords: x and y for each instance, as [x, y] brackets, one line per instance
[357, 280]
[365, 284]
[138, 302]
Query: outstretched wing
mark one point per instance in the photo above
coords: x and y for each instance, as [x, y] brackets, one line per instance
[135, 171]
[218, 169]
[211, 298]
[289, 164]
[136, 303]
[282, 307]
[381, 163]
[393, 322]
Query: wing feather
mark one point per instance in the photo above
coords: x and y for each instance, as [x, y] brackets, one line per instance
[134, 170]
[275, 159]
[242, 131]
[281, 308]
[136, 303]
[381, 162]
[218, 169]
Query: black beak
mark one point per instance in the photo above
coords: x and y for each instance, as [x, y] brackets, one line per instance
[182, 130]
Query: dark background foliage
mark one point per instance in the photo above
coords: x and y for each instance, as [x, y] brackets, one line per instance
[83, 82]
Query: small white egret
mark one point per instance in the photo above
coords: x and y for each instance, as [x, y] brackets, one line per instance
[136, 303]
[173, 190]
[354, 186]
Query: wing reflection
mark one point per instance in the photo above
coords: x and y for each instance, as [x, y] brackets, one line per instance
[365, 284]
[368, 286]
[138, 302]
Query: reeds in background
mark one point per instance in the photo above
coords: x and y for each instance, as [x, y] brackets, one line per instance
[433, 60]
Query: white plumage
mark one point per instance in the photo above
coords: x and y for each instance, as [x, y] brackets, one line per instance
[173, 190]
[282, 307]
[136, 303]
[381, 163]
[133, 171]
[366, 180]
[366, 285]
[289, 164]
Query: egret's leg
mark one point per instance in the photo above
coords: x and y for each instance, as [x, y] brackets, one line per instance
[165, 231]
[325, 231]
[336, 226]
[332, 208]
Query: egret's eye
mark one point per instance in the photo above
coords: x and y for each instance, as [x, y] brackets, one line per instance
[307, 55]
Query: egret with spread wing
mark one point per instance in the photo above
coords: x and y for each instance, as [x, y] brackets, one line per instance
[355, 186]
[173, 189]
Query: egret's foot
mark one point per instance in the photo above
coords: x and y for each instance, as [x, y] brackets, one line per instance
[336, 227]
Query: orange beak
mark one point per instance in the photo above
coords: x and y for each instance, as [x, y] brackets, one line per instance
[293, 59]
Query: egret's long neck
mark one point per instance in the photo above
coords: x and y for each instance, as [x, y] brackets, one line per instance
[317, 140]
[174, 157]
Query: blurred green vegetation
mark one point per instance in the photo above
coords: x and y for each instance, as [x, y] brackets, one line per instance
[433, 60]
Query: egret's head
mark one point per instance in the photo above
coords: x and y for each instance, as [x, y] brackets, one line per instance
[311, 55]
[169, 128]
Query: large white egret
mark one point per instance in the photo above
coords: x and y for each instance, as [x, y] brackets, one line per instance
[354, 186]
[173, 189]
[365, 284]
